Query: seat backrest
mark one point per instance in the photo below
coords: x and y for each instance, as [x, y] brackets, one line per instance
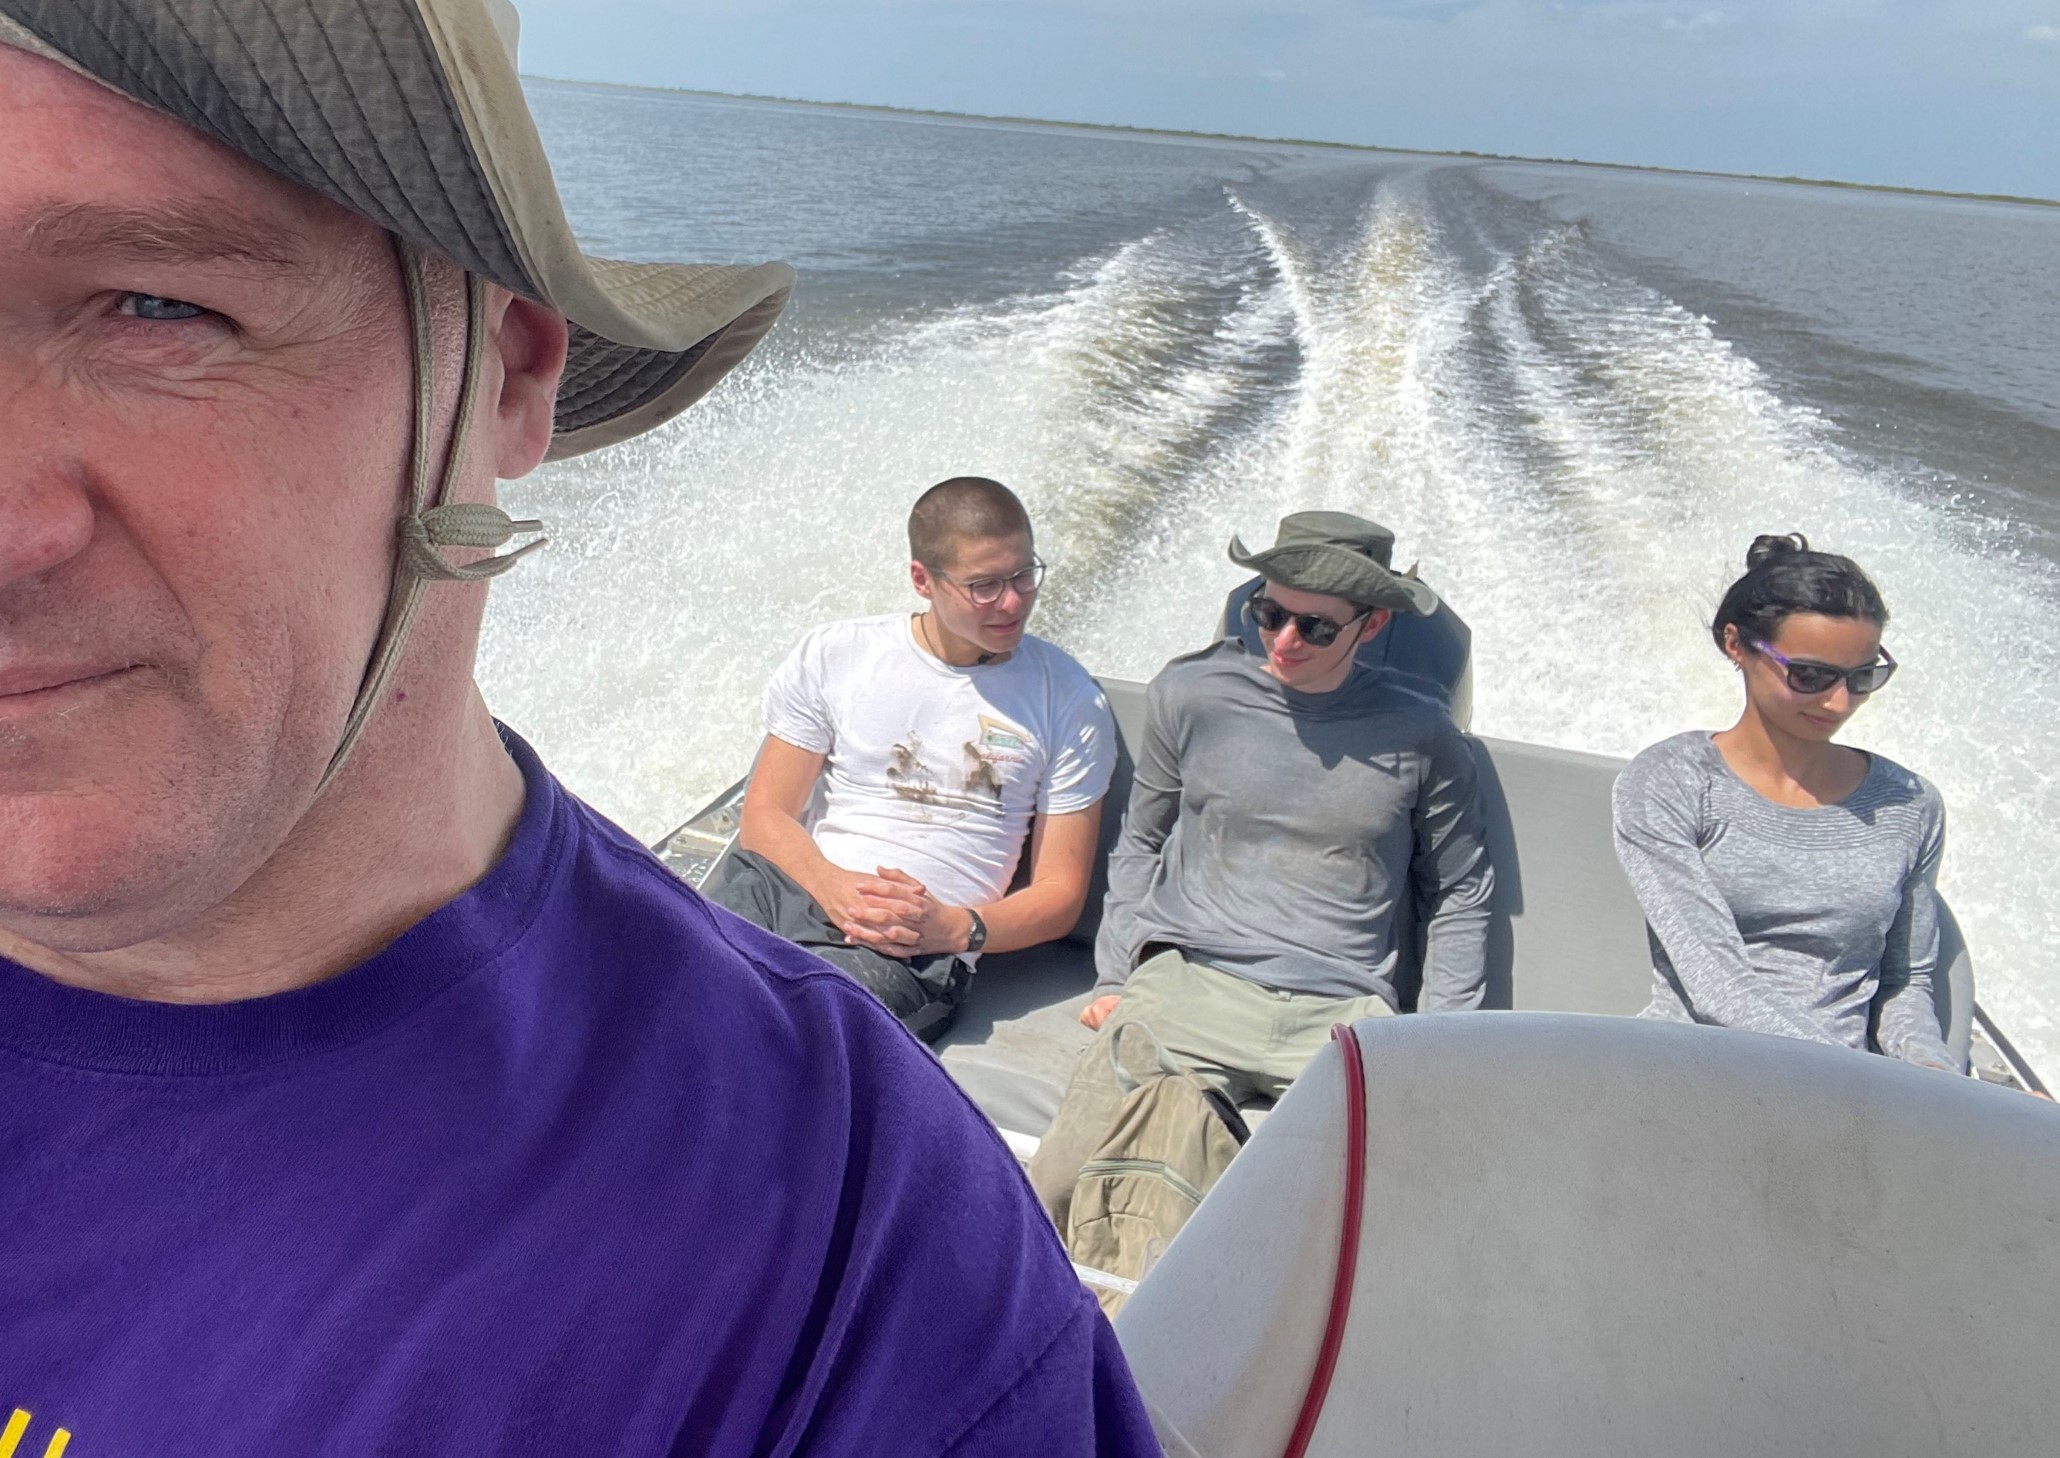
[1568, 935]
[1605, 1236]
[1436, 652]
[1126, 703]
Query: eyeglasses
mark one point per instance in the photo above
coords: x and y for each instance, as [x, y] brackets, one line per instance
[987, 591]
[1316, 630]
[1807, 677]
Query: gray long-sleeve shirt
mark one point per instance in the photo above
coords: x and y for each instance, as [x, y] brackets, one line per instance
[1287, 837]
[1815, 923]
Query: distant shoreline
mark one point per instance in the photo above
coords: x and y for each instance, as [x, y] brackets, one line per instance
[1057, 124]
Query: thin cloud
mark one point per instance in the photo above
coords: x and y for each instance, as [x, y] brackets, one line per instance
[1660, 15]
[1700, 21]
[2043, 34]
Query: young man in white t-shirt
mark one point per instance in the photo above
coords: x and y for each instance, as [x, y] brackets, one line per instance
[908, 759]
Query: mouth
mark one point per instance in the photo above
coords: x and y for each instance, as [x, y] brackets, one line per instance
[1822, 721]
[31, 689]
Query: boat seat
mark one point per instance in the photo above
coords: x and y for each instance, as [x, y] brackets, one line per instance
[1591, 1236]
[1018, 1033]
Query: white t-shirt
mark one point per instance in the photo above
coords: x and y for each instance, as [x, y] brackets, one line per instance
[933, 769]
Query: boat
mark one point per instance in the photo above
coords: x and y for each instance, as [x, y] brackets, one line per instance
[1582, 1232]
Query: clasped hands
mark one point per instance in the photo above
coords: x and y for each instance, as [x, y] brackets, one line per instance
[894, 914]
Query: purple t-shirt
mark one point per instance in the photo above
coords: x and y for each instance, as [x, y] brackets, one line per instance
[579, 1165]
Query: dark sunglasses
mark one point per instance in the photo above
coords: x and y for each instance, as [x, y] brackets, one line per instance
[1316, 630]
[1808, 677]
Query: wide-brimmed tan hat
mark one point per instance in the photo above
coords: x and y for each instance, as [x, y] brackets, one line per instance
[1338, 555]
[409, 113]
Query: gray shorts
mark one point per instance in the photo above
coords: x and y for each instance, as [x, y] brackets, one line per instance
[924, 992]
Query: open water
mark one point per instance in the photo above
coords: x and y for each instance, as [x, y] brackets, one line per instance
[1574, 393]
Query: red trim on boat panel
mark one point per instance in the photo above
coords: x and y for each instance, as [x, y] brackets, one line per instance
[1348, 1242]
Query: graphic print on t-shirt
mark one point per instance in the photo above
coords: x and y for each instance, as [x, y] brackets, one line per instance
[18, 1426]
[1001, 747]
[906, 773]
[977, 783]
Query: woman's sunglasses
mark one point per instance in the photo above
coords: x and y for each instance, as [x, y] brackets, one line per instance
[1807, 677]
[1317, 631]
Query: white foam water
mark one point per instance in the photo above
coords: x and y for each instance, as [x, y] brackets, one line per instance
[1577, 462]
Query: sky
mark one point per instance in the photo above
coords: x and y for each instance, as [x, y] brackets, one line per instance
[1962, 95]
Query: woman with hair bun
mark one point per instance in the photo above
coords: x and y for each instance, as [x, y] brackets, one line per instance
[1787, 881]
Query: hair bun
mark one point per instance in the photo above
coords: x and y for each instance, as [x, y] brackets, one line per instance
[1765, 549]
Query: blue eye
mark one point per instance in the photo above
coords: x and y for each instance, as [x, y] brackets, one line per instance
[151, 306]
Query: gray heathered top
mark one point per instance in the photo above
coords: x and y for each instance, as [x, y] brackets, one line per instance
[1819, 923]
[1287, 837]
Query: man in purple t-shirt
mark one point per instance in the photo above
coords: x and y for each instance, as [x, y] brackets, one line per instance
[360, 1090]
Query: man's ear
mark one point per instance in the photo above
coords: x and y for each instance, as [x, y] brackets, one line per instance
[919, 577]
[1375, 621]
[530, 340]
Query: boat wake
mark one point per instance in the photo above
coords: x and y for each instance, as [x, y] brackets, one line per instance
[1577, 460]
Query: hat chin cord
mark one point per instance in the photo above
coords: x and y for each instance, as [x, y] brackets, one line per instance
[433, 522]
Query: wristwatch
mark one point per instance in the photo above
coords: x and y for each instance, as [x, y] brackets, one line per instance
[976, 938]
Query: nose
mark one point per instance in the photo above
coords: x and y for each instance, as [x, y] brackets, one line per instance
[1839, 700]
[1289, 638]
[46, 519]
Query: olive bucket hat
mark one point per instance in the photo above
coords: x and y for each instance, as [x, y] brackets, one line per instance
[410, 113]
[1339, 555]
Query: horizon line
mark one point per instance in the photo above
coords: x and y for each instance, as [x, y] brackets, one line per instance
[940, 113]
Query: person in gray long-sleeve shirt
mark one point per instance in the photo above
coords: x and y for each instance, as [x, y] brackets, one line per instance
[1788, 882]
[1290, 813]
[1282, 836]
[1815, 923]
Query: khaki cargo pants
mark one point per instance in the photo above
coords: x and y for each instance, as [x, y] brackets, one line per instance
[1244, 1040]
